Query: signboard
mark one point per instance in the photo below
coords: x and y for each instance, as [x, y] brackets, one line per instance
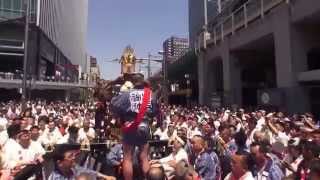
[265, 98]
[274, 97]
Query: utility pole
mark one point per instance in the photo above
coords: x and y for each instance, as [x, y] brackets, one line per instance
[25, 58]
[149, 65]
[219, 6]
[164, 83]
[205, 13]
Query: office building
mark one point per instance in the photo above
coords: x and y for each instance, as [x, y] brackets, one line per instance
[174, 48]
[56, 45]
[94, 69]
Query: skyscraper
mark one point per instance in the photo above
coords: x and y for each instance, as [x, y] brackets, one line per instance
[174, 48]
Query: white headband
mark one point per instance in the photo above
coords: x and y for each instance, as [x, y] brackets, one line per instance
[180, 140]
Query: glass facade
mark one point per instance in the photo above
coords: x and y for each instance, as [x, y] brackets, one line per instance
[14, 9]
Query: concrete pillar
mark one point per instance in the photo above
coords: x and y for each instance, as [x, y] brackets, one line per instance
[231, 78]
[209, 81]
[290, 59]
[283, 49]
[201, 77]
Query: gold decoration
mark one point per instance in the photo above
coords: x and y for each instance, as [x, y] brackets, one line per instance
[128, 60]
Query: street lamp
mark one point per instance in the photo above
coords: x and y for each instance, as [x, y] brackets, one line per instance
[165, 77]
[25, 58]
[150, 56]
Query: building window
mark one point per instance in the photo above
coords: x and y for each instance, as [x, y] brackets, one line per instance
[33, 6]
[1, 7]
[17, 5]
[6, 4]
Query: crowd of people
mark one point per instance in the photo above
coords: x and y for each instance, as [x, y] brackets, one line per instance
[200, 143]
[225, 144]
[44, 132]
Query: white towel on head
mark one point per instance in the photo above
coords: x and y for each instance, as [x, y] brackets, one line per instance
[126, 87]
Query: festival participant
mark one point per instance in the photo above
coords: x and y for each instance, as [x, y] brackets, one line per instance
[310, 152]
[87, 131]
[178, 154]
[135, 109]
[204, 164]
[239, 168]
[65, 167]
[51, 135]
[265, 167]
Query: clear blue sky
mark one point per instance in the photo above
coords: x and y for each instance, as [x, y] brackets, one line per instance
[144, 24]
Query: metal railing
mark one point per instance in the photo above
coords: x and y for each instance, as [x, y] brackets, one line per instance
[11, 43]
[15, 77]
[238, 19]
[9, 14]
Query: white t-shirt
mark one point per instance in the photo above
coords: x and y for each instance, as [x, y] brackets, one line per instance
[260, 123]
[3, 137]
[283, 138]
[162, 134]
[15, 154]
[91, 133]
[3, 122]
[246, 176]
[50, 137]
[37, 147]
[65, 139]
[179, 156]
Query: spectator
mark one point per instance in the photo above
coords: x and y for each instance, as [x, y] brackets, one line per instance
[3, 134]
[264, 165]
[24, 124]
[162, 132]
[64, 158]
[25, 153]
[178, 154]
[240, 140]
[51, 135]
[87, 131]
[310, 151]
[204, 164]
[225, 148]
[185, 172]
[114, 160]
[85, 176]
[293, 158]
[42, 123]
[156, 173]
[240, 169]
[35, 134]
[73, 137]
[11, 143]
